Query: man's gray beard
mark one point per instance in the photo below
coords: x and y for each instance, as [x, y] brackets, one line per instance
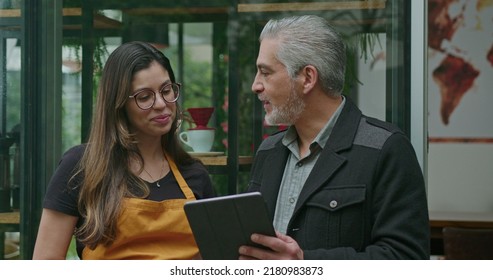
[288, 113]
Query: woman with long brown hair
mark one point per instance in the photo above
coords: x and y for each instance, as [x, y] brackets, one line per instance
[122, 193]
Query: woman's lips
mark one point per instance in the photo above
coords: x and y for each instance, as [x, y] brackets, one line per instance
[162, 119]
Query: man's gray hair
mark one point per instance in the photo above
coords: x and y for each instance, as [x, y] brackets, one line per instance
[310, 40]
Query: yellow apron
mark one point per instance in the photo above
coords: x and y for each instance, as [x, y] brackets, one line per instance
[151, 229]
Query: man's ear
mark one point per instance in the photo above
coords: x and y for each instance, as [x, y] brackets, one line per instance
[310, 77]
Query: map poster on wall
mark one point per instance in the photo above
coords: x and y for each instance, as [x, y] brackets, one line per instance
[460, 69]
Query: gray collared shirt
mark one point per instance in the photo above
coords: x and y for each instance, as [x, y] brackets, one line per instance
[297, 170]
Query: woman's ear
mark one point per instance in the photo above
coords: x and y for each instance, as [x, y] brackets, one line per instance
[310, 77]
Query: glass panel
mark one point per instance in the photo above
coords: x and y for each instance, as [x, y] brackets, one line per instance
[197, 66]
[371, 67]
[10, 146]
[196, 41]
[71, 96]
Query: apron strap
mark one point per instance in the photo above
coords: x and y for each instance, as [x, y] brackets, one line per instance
[181, 181]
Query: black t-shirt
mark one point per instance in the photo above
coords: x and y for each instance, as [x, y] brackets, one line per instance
[62, 193]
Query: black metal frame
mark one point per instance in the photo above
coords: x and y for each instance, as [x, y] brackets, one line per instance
[398, 80]
[40, 111]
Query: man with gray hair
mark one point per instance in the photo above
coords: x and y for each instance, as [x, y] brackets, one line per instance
[338, 184]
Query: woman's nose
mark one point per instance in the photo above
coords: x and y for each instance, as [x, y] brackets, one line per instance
[159, 102]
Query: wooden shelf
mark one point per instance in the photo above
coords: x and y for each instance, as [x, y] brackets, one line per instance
[223, 160]
[174, 11]
[100, 21]
[9, 13]
[314, 6]
[10, 218]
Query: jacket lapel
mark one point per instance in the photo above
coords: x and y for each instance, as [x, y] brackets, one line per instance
[274, 165]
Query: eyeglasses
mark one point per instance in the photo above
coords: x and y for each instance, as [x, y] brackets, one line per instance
[145, 98]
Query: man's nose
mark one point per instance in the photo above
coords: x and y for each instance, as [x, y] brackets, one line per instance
[257, 87]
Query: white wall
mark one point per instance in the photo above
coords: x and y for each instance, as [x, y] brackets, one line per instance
[460, 177]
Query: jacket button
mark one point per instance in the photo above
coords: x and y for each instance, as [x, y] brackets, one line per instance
[333, 204]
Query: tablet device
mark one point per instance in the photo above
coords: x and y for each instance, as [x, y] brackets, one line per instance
[222, 224]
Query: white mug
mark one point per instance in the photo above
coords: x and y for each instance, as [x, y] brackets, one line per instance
[200, 140]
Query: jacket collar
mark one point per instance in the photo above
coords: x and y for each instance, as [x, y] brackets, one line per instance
[345, 129]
